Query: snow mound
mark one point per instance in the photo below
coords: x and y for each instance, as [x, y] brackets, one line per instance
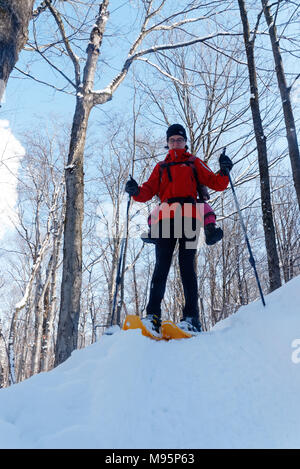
[236, 386]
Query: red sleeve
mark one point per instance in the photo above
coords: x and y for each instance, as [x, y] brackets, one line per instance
[207, 177]
[150, 188]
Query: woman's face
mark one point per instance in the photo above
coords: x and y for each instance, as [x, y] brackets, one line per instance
[176, 142]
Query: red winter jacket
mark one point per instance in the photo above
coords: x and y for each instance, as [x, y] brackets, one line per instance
[183, 182]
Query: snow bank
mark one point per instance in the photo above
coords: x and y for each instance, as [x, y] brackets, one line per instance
[236, 386]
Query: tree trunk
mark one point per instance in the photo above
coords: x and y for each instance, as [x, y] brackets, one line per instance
[286, 101]
[3, 360]
[267, 213]
[67, 333]
[121, 299]
[213, 289]
[136, 291]
[14, 19]
[38, 310]
[38, 324]
[49, 320]
[11, 354]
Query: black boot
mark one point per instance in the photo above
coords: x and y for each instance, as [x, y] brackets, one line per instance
[212, 234]
[190, 324]
[153, 323]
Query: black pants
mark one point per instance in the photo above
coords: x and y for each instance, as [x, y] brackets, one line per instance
[164, 249]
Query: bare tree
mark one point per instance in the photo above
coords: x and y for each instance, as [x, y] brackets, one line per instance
[285, 91]
[267, 213]
[287, 225]
[39, 230]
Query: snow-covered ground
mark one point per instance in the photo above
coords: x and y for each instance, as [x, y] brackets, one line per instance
[237, 386]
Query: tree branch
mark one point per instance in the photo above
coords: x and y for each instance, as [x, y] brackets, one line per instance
[41, 81]
[164, 72]
[120, 77]
[56, 68]
[61, 27]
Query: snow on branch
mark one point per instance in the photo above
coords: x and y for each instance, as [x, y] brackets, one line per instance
[163, 27]
[182, 44]
[102, 96]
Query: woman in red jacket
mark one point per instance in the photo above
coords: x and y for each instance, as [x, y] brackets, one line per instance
[178, 180]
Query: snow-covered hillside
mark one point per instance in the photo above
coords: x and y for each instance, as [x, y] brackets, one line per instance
[237, 386]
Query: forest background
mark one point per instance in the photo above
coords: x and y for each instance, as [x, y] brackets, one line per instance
[88, 103]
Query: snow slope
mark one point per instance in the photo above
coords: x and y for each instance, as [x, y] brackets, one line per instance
[237, 386]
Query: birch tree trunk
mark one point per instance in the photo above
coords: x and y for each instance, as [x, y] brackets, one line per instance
[14, 19]
[267, 212]
[3, 360]
[11, 355]
[50, 317]
[37, 298]
[136, 291]
[289, 120]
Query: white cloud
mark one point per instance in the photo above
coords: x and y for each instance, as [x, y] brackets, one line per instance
[11, 152]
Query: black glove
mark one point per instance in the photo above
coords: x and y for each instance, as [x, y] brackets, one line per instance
[225, 164]
[132, 187]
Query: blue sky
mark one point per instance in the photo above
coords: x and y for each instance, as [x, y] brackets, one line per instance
[26, 101]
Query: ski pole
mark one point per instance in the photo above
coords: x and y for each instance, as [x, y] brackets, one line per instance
[251, 258]
[120, 264]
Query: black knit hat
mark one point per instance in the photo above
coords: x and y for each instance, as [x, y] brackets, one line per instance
[176, 129]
